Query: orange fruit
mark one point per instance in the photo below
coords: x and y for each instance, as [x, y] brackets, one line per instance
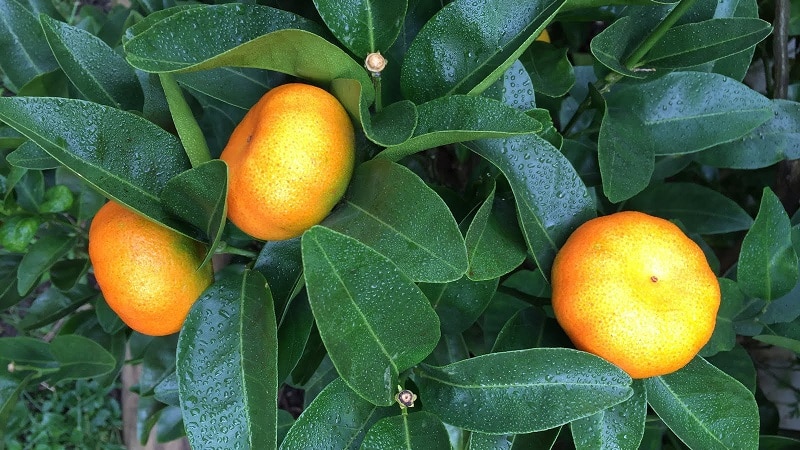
[289, 160]
[149, 275]
[635, 290]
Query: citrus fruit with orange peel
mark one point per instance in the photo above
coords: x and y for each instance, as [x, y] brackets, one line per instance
[149, 275]
[636, 291]
[290, 160]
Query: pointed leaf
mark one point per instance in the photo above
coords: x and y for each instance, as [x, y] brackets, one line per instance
[363, 26]
[700, 42]
[122, 155]
[551, 199]
[374, 321]
[294, 329]
[392, 210]
[522, 391]
[775, 140]
[495, 245]
[705, 407]
[620, 426]
[30, 156]
[40, 257]
[468, 45]
[514, 88]
[198, 196]
[227, 365]
[419, 431]
[79, 357]
[53, 304]
[699, 209]
[25, 51]
[337, 418]
[768, 265]
[613, 44]
[99, 73]
[460, 118]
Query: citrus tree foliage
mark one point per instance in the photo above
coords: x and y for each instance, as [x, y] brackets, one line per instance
[480, 149]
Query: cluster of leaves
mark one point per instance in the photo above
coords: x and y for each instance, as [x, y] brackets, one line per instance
[480, 151]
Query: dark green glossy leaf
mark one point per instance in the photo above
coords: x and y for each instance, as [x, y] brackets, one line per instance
[724, 337]
[468, 45]
[551, 199]
[27, 351]
[227, 365]
[612, 46]
[120, 154]
[40, 257]
[79, 357]
[777, 443]
[549, 68]
[786, 335]
[29, 190]
[522, 391]
[705, 407]
[285, 422]
[393, 125]
[451, 348]
[53, 304]
[250, 84]
[459, 303]
[281, 263]
[337, 418]
[374, 320]
[199, 196]
[531, 282]
[30, 156]
[738, 364]
[514, 88]
[108, 320]
[294, 330]
[699, 209]
[158, 363]
[768, 266]
[99, 73]
[25, 51]
[679, 113]
[314, 370]
[542, 440]
[392, 210]
[420, 431]
[697, 43]
[775, 140]
[530, 328]
[167, 390]
[495, 245]
[363, 26]
[620, 427]
[460, 118]
[10, 138]
[8, 280]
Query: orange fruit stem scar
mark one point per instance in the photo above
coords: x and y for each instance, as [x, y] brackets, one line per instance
[149, 275]
[289, 160]
[635, 290]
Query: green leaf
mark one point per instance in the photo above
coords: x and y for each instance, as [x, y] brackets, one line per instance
[699, 209]
[8, 279]
[281, 263]
[542, 440]
[251, 84]
[27, 351]
[468, 45]
[514, 88]
[374, 321]
[30, 156]
[294, 330]
[99, 73]
[25, 51]
[198, 196]
[120, 154]
[621, 426]
[777, 443]
[522, 391]
[56, 199]
[768, 266]
[158, 362]
[10, 389]
[738, 364]
[29, 190]
[705, 407]
[775, 140]
[189, 132]
[390, 209]
[697, 43]
[40, 257]
[551, 199]
[679, 113]
[17, 233]
[530, 328]
[613, 45]
[79, 357]
[549, 68]
[363, 26]
[53, 304]
[167, 390]
[724, 337]
[459, 303]
[420, 431]
[786, 335]
[337, 418]
[460, 118]
[227, 365]
[495, 245]
[10, 138]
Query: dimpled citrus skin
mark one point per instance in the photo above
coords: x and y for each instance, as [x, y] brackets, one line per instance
[289, 162]
[635, 290]
[146, 272]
